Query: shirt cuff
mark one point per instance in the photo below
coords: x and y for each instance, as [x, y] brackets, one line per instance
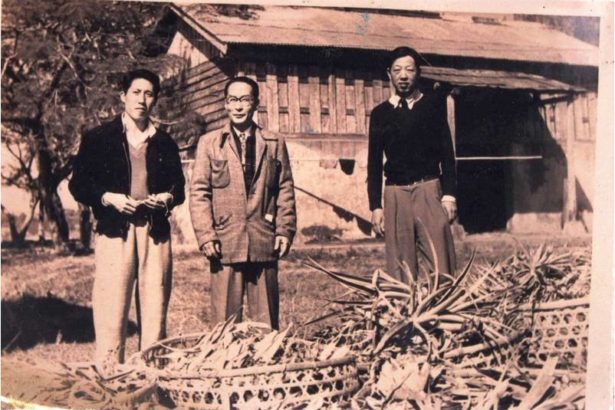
[102, 200]
[448, 198]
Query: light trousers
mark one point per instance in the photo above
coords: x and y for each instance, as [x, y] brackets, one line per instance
[120, 263]
[257, 281]
[414, 220]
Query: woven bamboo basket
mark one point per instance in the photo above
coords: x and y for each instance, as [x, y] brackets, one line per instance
[485, 355]
[275, 386]
[479, 354]
[559, 328]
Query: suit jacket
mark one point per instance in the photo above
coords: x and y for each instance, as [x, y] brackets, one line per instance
[245, 224]
[103, 165]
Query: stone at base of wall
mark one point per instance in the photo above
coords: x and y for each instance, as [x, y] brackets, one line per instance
[574, 228]
[536, 222]
[548, 223]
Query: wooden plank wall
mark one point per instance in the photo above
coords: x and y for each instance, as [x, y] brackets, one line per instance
[202, 89]
[314, 99]
[582, 126]
[584, 106]
[572, 122]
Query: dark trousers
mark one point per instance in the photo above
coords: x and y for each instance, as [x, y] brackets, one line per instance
[258, 281]
[414, 220]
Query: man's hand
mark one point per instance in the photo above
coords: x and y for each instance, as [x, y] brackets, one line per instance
[212, 250]
[378, 221]
[282, 246]
[451, 209]
[158, 201]
[123, 203]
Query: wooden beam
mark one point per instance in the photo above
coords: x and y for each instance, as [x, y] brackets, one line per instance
[377, 87]
[250, 72]
[332, 101]
[273, 104]
[501, 158]
[340, 101]
[450, 116]
[359, 99]
[570, 188]
[293, 99]
[327, 137]
[315, 115]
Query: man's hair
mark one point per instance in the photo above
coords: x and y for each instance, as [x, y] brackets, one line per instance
[404, 51]
[148, 75]
[245, 80]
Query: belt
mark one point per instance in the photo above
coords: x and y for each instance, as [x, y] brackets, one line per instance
[413, 181]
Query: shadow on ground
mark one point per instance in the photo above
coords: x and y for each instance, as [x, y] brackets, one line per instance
[32, 320]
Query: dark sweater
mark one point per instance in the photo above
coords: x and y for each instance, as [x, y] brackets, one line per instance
[417, 144]
[138, 173]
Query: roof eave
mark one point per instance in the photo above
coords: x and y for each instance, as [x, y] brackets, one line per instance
[208, 35]
[433, 52]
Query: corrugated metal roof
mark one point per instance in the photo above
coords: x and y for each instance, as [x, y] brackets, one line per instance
[496, 79]
[321, 27]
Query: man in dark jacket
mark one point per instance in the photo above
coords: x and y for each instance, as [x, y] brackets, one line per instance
[411, 130]
[130, 173]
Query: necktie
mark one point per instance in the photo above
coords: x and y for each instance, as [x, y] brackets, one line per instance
[403, 104]
[242, 143]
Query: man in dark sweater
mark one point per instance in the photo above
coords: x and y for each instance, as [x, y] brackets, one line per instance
[130, 173]
[411, 130]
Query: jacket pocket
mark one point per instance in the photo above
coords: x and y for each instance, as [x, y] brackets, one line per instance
[222, 221]
[220, 175]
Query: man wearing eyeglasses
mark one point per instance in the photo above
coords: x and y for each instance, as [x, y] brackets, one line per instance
[242, 205]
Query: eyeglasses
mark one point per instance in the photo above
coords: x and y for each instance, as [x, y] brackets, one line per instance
[242, 100]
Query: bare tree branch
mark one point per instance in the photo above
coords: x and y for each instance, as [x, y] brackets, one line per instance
[8, 59]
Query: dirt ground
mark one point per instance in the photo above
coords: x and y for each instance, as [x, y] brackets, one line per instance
[46, 308]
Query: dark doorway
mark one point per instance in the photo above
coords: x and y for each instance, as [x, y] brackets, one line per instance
[490, 124]
[482, 195]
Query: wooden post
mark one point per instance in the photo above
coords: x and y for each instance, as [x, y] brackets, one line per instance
[340, 101]
[314, 81]
[359, 88]
[570, 187]
[250, 72]
[456, 228]
[293, 99]
[332, 99]
[351, 107]
[377, 90]
[273, 103]
[450, 116]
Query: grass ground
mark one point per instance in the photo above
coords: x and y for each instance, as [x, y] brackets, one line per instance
[46, 309]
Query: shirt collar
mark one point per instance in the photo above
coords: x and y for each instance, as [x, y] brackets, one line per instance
[248, 132]
[411, 99]
[135, 136]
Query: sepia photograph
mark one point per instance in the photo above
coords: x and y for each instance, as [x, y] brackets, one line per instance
[306, 205]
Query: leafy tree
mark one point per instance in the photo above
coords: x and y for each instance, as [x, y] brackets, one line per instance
[61, 62]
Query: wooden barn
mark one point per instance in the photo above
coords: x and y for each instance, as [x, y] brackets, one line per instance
[521, 104]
